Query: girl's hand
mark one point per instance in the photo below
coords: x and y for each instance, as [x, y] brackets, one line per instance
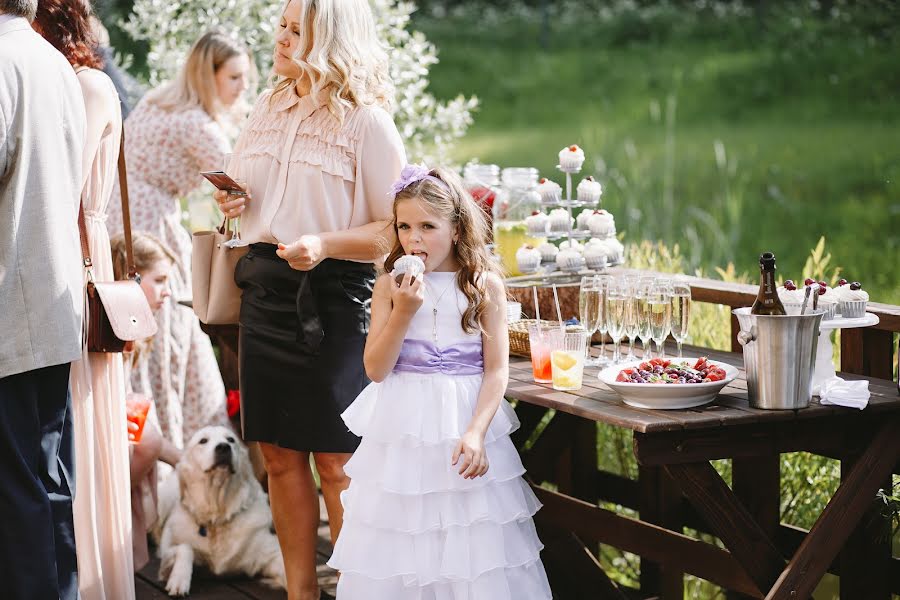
[408, 296]
[231, 204]
[304, 254]
[474, 459]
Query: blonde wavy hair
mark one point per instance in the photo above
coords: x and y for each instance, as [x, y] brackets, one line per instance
[340, 53]
[452, 202]
[195, 84]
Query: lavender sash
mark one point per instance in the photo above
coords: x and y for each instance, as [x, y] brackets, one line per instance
[421, 356]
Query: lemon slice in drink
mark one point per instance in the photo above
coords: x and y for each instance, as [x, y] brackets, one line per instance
[564, 381]
[563, 360]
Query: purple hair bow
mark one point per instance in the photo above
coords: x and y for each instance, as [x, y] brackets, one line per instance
[413, 174]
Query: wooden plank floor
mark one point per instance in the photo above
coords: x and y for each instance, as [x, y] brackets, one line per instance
[205, 586]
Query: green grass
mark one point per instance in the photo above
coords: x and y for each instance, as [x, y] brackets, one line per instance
[806, 119]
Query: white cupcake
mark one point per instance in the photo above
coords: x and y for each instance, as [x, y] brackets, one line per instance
[602, 224]
[528, 258]
[791, 297]
[616, 250]
[560, 220]
[596, 255]
[572, 245]
[569, 260]
[571, 158]
[589, 190]
[407, 264]
[852, 300]
[581, 221]
[549, 191]
[548, 252]
[537, 222]
[825, 303]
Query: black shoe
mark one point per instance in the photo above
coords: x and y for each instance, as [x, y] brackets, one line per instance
[323, 595]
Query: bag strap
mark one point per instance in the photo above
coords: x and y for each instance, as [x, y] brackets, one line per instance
[126, 220]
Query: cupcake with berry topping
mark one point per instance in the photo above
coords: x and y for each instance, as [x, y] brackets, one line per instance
[548, 252]
[826, 303]
[570, 260]
[791, 297]
[549, 191]
[571, 158]
[528, 258]
[537, 223]
[581, 221]
[602, 224]
[560, 221]
[589, 191]
[852, 299]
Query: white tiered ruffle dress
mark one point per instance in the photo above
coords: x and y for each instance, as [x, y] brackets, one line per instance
[414, 529]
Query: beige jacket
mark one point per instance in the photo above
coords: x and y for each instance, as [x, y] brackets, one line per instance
[42, 128]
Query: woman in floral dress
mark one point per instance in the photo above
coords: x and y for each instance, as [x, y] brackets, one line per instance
[175, 132]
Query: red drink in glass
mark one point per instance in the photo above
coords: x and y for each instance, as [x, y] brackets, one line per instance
[136, 408]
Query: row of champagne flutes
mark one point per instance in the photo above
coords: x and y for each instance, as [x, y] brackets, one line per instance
[638, 308]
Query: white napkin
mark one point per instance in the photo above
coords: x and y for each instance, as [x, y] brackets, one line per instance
[853, 394]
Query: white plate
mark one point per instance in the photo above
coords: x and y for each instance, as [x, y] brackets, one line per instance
[668, 395]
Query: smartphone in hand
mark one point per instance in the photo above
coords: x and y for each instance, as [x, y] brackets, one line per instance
[223, 181]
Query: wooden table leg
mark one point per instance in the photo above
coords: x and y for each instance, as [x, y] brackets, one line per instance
[756, 483]
[730, 521]
[841, 516]
[660, 504]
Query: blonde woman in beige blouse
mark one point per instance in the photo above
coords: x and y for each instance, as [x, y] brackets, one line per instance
[318, 155]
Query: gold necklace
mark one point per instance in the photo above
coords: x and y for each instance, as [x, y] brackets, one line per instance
[434, 310]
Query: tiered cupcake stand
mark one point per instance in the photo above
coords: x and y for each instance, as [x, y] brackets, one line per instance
[548, 273]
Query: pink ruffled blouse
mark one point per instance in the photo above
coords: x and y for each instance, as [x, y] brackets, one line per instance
[308, 173]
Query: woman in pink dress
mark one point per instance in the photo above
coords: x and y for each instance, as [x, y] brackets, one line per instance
[102, 507]
[175, 132]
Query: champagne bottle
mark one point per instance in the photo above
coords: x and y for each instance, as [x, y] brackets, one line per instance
[767, 302]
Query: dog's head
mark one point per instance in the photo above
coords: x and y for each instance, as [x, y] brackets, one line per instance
[215, 475]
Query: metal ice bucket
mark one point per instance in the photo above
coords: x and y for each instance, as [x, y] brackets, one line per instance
[779, 356]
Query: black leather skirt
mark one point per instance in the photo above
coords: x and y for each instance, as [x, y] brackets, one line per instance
[302, 336]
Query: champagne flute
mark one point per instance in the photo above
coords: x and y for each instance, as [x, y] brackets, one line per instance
[632, 315]
[660, 304]
[235, 241]
[602, 283]
[681, 312]
[643, 309]
[589, 313]
[616, 299]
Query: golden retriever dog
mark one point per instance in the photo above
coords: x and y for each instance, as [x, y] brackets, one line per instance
[213, 512]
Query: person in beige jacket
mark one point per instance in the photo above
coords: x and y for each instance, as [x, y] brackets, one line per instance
[42, 128]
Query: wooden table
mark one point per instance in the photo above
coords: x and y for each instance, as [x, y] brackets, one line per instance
[678, 487]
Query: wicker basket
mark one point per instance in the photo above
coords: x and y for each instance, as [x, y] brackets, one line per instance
[518, 335]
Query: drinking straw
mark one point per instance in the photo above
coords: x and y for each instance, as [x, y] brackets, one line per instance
[537, 309]
[562, 325]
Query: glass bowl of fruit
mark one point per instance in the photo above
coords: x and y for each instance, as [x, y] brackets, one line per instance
[668, 384]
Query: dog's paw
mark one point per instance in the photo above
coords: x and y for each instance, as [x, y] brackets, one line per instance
[178, 584]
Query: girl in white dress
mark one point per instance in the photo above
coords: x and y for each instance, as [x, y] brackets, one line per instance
[437, 508]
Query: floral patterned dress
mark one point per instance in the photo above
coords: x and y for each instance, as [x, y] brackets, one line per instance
[165, 152]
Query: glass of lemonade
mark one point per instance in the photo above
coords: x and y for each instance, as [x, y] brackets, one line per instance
[567, 359]
[539, 334]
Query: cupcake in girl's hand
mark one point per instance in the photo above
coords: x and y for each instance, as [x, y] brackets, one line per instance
[571, 158]
[407, 263]
[602, 224]
[548, 252]
[852, 299]
[570, 260]
[589, 190]
[560, 220]
[549, 191]
[537, 222]
[528, 258]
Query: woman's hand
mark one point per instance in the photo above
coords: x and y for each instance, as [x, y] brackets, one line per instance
[408, 296]
[474, 459]
[231, 204]
[304, 254]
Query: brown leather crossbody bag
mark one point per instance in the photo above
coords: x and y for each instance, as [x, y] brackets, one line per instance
[118, 313]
